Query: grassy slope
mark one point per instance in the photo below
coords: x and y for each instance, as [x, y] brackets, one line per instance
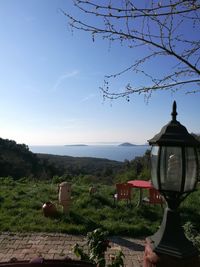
[21, 202]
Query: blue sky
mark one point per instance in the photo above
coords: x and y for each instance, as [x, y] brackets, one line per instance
[49, 83]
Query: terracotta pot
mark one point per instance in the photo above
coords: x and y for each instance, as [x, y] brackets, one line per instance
[49, 209]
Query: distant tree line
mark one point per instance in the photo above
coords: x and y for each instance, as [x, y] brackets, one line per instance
[17, 161]
[197, 136]
[138, 168]
[92, 168]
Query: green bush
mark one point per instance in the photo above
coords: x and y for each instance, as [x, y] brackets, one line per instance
[192, 234]
[98, 243]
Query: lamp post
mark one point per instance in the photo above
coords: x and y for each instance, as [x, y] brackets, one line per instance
[174, 171]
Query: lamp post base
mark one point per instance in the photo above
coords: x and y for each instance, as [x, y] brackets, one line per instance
[170, 238]
[152, 259]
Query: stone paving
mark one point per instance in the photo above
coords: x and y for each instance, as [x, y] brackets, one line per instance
[58, 246]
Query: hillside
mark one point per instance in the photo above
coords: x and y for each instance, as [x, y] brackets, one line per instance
[81, 165]
[17, 161]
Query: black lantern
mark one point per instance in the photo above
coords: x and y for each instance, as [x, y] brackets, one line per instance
[174, 171]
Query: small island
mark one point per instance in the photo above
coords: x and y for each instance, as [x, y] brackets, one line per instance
[77, 145]
[127, 144]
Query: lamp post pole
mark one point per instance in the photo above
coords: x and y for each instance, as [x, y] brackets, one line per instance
[174, 172]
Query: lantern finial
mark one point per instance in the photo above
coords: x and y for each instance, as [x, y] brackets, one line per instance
[174, 113]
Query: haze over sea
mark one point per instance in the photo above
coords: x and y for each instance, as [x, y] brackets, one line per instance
[112, 152]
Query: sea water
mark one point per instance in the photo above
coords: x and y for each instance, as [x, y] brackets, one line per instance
[112, 152]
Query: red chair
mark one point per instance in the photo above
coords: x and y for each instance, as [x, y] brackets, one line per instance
[154, 197]
[123, 192]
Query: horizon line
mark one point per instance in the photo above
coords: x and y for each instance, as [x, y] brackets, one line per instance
[90, 144]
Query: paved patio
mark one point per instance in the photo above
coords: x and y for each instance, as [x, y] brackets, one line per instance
[58, 246]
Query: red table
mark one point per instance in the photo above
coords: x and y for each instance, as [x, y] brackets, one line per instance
[141, 184]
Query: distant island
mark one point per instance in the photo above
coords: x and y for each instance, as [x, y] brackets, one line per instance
[77, 145]
[127, 144]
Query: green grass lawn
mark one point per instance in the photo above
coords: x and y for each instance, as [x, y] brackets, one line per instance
[21, 210]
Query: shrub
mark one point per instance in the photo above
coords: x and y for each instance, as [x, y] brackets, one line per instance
[192, 234]
[98, 244]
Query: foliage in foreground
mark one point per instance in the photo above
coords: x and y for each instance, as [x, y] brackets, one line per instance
[98, 243]
[192, 234]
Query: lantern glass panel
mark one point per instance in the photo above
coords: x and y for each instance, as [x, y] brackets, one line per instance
[171, 168]
[191, 169]
[154, 165]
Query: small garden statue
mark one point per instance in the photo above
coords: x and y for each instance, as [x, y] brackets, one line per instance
[65, 196]
[92, 190]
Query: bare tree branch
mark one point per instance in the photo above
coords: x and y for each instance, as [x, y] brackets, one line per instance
[156, 27]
